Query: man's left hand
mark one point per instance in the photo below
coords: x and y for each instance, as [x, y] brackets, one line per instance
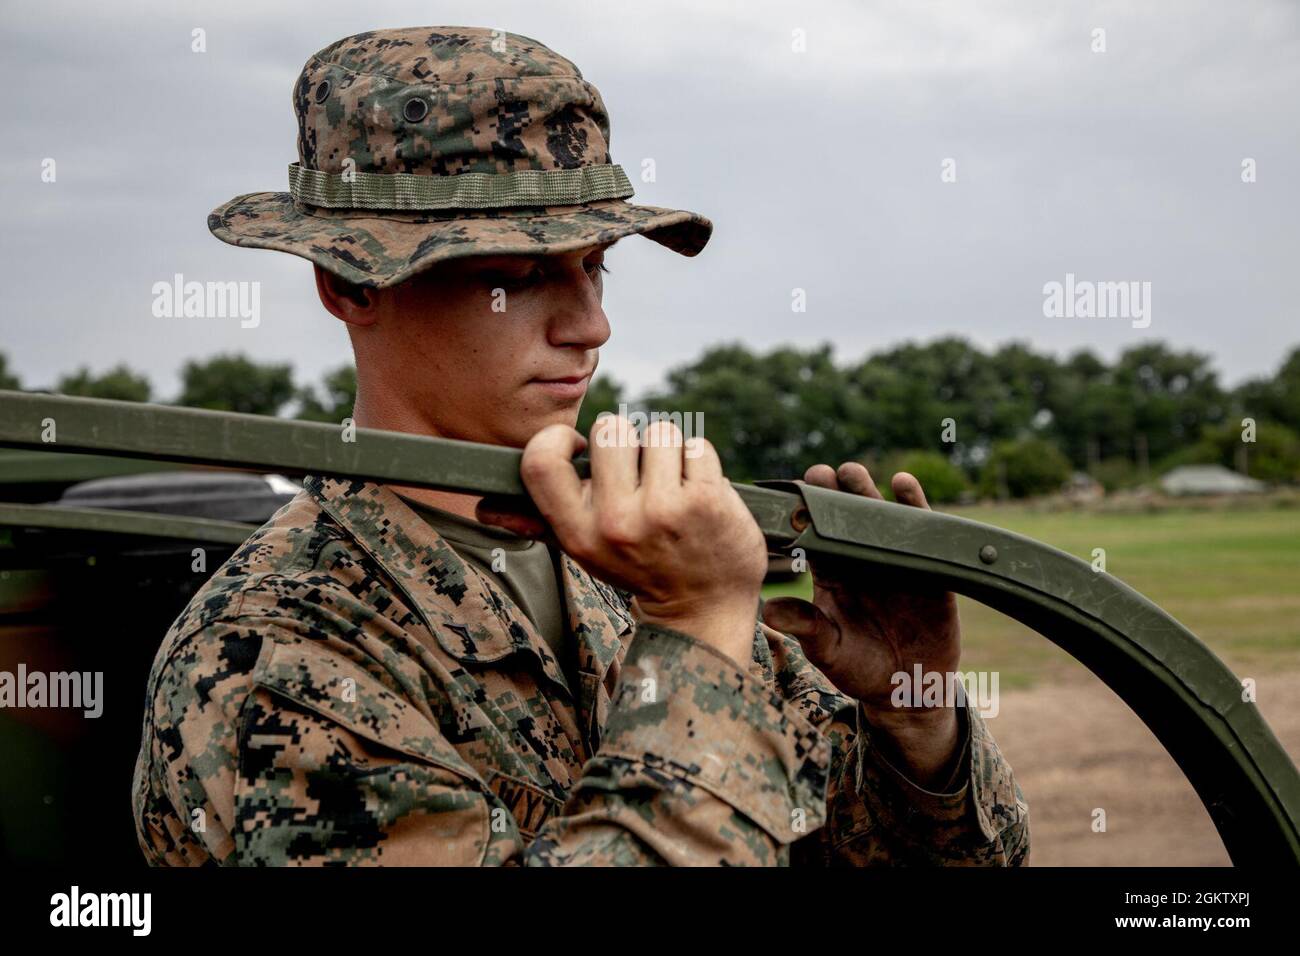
[863, 627]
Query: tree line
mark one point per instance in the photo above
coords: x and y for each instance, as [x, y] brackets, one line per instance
[1010, 422]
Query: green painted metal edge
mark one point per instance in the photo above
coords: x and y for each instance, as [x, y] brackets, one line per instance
[250, 442]
[259, 443]
[107, 521]
[43, 467]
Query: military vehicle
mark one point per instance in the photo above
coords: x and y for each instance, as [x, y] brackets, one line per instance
[89, 583]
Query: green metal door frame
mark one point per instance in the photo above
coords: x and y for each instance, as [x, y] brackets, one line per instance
[1187, 697]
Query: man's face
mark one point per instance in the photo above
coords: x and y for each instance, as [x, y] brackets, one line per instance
[487, 348]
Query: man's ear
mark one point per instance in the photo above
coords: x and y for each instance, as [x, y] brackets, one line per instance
[346, 300]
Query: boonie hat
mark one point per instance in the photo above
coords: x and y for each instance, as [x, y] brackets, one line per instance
[424, 144]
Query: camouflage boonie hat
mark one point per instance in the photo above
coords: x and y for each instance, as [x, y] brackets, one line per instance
[430, 143]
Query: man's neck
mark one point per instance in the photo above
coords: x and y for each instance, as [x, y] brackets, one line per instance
[457, 504]
[372, 411]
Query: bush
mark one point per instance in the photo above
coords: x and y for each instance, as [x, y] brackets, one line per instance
[941, 479]
[119, 383]
[1029, 466]
[234, 383]
[1273, 456]
[1115, 474]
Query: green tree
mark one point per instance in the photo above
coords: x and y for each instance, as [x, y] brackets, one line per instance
[1030, 383]
[235, 383]
[603, 395]
[1092, 415]
[340, 397]
[1174, 396]
[1024, 467]
[769, 416]
[1152, 403]
[950, 397]
[1273, 456]
[7, 379]
[1276, 398]
[118, 383]
[910, 391]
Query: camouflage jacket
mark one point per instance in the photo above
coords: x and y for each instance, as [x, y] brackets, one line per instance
[345, 690]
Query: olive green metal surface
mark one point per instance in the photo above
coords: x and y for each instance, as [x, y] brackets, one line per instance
[27, 467]
[106, 521]
[1190, 700]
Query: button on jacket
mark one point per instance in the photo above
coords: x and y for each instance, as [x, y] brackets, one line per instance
[346, 690]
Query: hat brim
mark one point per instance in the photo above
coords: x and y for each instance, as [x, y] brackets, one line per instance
[380, 249]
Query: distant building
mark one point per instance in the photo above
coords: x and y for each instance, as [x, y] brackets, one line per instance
[1208, 480]
[1082, 487]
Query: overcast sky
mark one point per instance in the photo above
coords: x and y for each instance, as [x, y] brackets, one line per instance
[820, 169]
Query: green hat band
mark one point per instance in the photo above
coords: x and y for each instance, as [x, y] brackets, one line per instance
[524, 187]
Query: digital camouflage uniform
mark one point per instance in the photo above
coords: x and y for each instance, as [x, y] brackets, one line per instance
[345, 690]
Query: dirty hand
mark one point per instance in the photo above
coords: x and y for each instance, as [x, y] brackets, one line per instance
[864, 626]
[656, 518]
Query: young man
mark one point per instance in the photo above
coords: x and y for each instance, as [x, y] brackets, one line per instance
[391, 675]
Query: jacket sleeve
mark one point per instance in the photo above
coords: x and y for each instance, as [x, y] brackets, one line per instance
[879, 817]
[702, 763]
[876, 816]
[264, 747]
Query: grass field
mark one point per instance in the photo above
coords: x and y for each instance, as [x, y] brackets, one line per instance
[1232, 577]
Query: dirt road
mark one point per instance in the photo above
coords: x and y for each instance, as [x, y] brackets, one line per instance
[1076, 747]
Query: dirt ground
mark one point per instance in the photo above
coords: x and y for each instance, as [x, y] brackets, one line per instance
[1075, 746]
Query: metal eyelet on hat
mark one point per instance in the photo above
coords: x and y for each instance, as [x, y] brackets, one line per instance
[322, 91]
[415, 110]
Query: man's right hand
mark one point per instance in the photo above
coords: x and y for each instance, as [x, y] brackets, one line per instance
[654, 520]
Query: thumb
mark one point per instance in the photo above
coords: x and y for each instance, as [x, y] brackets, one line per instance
[816, 633]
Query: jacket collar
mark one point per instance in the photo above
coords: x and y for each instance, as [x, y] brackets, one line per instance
[471, 619]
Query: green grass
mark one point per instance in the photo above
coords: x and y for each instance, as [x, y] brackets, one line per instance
[1232, 577]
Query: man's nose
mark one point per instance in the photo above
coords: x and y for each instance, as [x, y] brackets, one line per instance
[580, 320]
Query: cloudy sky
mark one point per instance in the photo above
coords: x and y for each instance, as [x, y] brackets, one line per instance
[821, 170]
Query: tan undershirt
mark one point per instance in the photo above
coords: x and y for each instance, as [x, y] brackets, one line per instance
[529, 574]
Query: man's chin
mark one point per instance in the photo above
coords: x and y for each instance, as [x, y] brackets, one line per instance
[519, 436]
